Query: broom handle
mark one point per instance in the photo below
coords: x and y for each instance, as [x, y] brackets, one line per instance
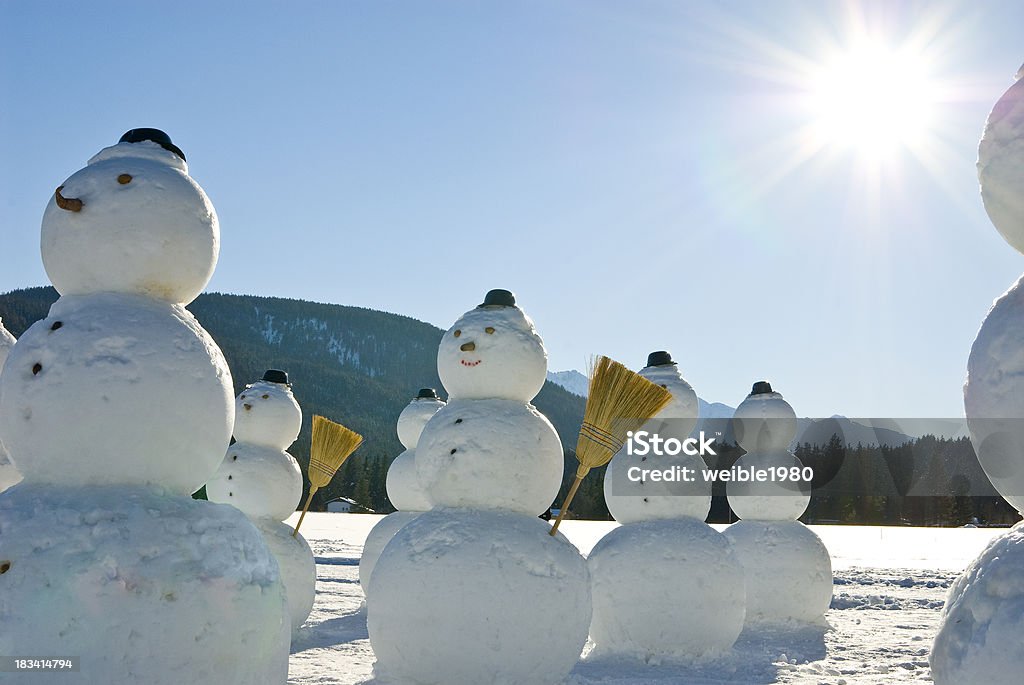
[565, 505]
[309, 500]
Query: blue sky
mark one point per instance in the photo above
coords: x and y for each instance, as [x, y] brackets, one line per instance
[643, 175]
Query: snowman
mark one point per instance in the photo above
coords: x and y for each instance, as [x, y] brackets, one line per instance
[664, 562]
[115, 408]
[983, 618]
[788, 568]
[265, 482]
[476, 591]
[8, 474]
[402, 483]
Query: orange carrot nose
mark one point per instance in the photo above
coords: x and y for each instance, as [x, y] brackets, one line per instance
[468, 347]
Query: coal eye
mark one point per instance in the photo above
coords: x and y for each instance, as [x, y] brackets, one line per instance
[457, 333]
[242, 397]
[266, 397]
[489, 330]
[124, 179]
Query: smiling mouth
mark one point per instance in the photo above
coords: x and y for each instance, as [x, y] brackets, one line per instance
[466, 362]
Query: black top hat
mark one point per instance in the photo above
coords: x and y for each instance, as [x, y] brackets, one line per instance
[276, 376]
[155, 135]
[762, 388]
[499, 298]
[659, 358]
[426, 394]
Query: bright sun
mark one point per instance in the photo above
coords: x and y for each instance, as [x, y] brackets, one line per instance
[872, 100]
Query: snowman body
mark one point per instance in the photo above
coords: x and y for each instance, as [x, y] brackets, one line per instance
[476, 591]
[262, 480]
[114, 408]
[788, 569]
[979, 635]
[665, 585]
[8, 474]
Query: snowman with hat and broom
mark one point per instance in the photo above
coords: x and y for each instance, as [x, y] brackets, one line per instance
[457, 594]
[265, 482]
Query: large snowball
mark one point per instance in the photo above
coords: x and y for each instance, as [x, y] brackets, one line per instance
[145, 588]
[979, 640]
[471, 597]
[788, 571]
[114, 388]
[632, 496]
[490, 454]
[403, 484]
[154, 235]
[770, 500]
[994, 395]
[665, 590]
[380, 535]
[267, 414]
[764, 422]
[414, 417]
[492, 352]
[1001, 165]
[298, 568]
[261, 481]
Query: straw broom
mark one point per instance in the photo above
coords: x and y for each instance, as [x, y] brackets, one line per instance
[332, 445]
[619, 401]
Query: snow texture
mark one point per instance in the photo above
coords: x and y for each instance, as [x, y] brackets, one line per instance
[979, 638]
[509, 362]
[263, 482]
[788, 571]
[115, 388]
[414, 417]
[267, 414]
[665, 591]
[378, 539]
[1001, 165]
[770, 500]
[764, 422]
[478, 598]
[403, 484]
[682, 408]
[154, 235]
[298, 569]
[144, 586]
[994, 395]
[490, 454]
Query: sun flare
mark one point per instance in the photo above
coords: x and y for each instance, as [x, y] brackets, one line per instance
[873, 100]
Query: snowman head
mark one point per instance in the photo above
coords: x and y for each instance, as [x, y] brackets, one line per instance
[764, 421]
[682, 409]
[415, 416]
[131, 221]
[266, 412]
[493, 352]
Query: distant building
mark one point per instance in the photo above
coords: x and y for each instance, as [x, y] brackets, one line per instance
[342, 505]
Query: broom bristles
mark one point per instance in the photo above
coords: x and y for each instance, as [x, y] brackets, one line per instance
[332, 444]
[619, 401]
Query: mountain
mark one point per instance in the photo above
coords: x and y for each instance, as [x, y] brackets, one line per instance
[573, 381]
[356, 366]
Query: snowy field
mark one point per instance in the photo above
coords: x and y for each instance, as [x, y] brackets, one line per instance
[890, 584]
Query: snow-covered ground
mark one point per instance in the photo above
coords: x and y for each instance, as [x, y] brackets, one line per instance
[890, 584]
